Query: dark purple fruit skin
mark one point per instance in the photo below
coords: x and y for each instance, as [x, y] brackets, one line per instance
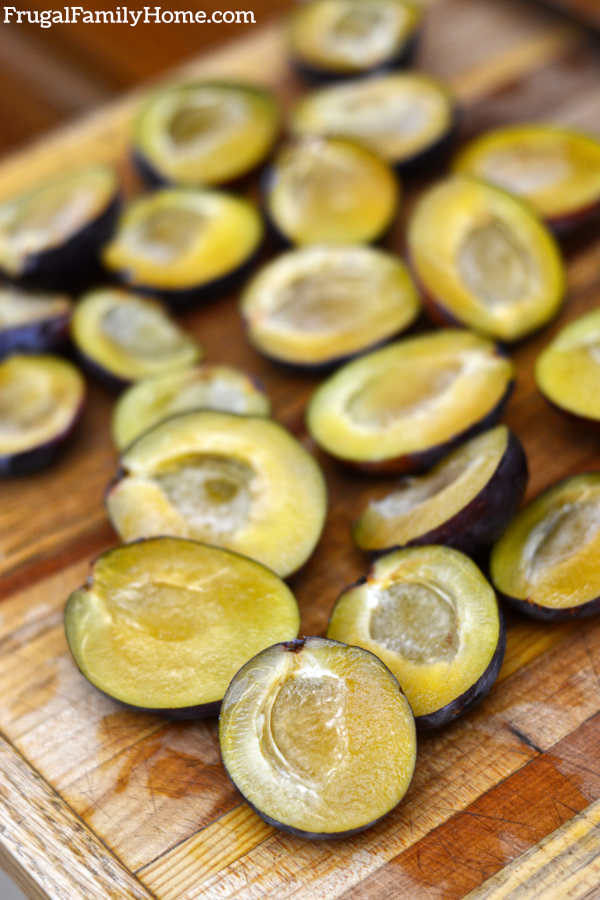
[565, 225]
[155, 179]
[402, 58]
[105, 377]
[473, 695]
[545, 614]
[435, 154]
[181, 714]
[35, 337]
[37, 458]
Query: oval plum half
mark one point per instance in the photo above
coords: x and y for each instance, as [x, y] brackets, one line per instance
[32, 323]
[401, 408]
[434, 620]
[546, 563]
[240, 482]
[163, 625]
[305, 725]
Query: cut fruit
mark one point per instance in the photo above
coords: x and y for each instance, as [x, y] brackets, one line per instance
[434, 620]
[318, 305]
[403, 407]
[240, 482]
[32, 322]
[41, 401]
[206, 132]
[466, 501]
[337, 38]
[163, 625]
[567, 372]
[555, 169]
[303, 728]
[50, 236]
[408, 119]
[184, 244]
[546, 563]
[148, 402]
[122, 337]
[485, 260]
[329, 191]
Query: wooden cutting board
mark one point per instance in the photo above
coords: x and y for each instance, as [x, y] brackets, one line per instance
[99, 802]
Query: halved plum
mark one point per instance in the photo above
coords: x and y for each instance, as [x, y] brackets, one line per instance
[184, 244]
[434, 620]
[51, 235]
[240, 482]
[122, 337]
[340, 38]
[330, 191]
[556, 169]
[31, 323]
[41, 402]
[318, 305]
[484, 260]
[466, 501]
[407, 118]
[401, 408]
[205, 132]
[151, 400]
[318, 737]
[546, 563]
[163, 625]
[567, 372]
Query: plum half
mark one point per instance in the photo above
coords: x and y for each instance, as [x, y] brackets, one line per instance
[318, 737]
[567, 372]
[329, 191]
[341, 38]
[51, 235]
[466, 501]
[407, 118]
[41, 402]
[184, 244]
[163, 625]
[546, 562]
[401, 408]
[32, 323]
[240, 482]
[151, 400]
[204, 132]
[434, 620]
[316, 306]
[556, 170]
[484, 260]
[122, 337]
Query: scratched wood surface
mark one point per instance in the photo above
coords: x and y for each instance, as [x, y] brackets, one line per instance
[99, 802]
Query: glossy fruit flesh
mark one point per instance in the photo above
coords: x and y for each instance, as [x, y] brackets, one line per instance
[303, 728]
[127, 337]
[433, 619]
[567, 372]
[402, 407]
[41, 399]
[177, 240]
[319, 304]
[165, 624]
[205, 132]
[32, 322]
[236, 481]
[484, 259]
[466, 501]
[350, 37]
[148, 402]
[546, 563]
[557, 171]
[330, 192]
[401, 117]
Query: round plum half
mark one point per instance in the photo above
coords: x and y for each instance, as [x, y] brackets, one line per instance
[401, 408]
[32, 323]
[240, 482]
[466, 501]
[484, 260]
[318, 737]
[434, 620]
[546, 562]
[163, 625]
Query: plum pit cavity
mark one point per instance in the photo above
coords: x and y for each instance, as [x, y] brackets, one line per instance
[141, 329]
[166, 233]
[495, 266]
[416, 620]
[203, 122]
[23, 404]
[525, 170]
[561, 535]
[165, 612]
[315, 304]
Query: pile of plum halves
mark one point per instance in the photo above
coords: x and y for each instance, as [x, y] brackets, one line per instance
[215, 502]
